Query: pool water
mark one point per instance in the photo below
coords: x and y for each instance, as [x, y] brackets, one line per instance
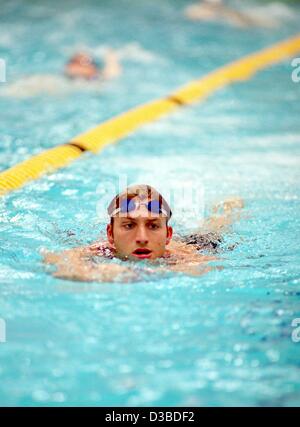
[224, 338]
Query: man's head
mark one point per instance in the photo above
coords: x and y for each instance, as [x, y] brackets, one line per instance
[81, 65]
[139, 227]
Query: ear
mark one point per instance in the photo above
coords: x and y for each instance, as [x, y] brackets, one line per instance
[109, 233]
[169, 234]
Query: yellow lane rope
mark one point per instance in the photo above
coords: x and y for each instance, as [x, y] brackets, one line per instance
[116, 128]
[30, 169]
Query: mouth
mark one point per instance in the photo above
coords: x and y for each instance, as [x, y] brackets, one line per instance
[142, 253]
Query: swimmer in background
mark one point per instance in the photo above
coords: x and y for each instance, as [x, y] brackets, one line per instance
[216, 10]
[139, 230]
[80, 73]
[83, 66]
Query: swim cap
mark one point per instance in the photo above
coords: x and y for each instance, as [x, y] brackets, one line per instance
[143, 192]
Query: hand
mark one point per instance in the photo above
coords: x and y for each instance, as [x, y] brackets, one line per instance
[229, 204]
[192, 270]
[49, 257]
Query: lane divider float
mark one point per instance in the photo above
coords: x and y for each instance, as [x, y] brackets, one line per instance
[118, 127]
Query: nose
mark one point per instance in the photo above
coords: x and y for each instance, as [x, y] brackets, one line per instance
[141, 236]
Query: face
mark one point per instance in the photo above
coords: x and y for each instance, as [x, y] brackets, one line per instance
[139, 235]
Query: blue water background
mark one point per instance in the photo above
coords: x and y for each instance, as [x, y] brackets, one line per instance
[221, 339]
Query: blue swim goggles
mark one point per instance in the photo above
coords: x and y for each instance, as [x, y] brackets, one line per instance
[130, 205]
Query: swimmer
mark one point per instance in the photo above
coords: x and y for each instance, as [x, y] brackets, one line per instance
[215, 10]
[139, 230]
[81, 73]
[83, 66]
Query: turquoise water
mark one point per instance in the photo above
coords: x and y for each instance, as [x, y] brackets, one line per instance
[221, 339]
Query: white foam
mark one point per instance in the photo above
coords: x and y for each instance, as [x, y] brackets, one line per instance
[135, 52]
[46, 84]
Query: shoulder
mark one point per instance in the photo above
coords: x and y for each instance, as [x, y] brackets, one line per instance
[180, 247]
[101, 249]
[203, 241]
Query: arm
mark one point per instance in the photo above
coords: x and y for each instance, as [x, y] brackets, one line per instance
[224, 214]
[76, 264]
[194, 270]
[87, 272]
[112, 67]
[76, 254]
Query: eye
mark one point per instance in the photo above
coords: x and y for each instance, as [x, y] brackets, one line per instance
[153, 226]
[128, 226]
